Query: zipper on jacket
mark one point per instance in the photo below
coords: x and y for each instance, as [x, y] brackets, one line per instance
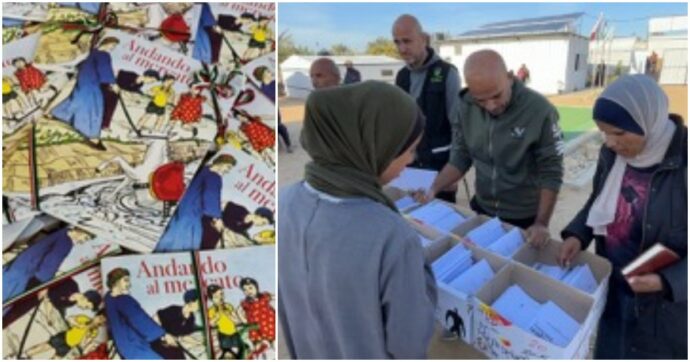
[644, 227]
[493, 165]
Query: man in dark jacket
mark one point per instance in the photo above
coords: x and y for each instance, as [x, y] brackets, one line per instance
[435, 84]
[511, 135]
[352, 75]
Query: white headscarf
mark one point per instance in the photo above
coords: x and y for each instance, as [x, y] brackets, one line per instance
[647, 104]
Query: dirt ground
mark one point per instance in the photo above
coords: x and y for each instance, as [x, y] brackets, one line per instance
[293, 109]
[570, 199]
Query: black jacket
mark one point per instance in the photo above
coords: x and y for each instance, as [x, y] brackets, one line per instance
[659, 319]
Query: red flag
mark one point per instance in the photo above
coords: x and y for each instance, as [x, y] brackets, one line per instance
[597, 27]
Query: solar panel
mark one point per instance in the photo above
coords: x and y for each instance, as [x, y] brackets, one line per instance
[545, 19]
[516, 30]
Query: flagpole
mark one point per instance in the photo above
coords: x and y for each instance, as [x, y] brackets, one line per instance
[602, 55]
[609, 39]
[594, 37]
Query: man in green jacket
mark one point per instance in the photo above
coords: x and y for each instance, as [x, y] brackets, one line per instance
[510, 134]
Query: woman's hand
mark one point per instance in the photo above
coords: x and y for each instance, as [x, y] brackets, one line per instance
[647, 283]
[569, 249]
[423, 196]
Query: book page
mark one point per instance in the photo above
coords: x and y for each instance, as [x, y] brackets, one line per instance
[517, 306]
[486, 233]
[508, 244]
[554, 325]
[412, 179]
[473, 278]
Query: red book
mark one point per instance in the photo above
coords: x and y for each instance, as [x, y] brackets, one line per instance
[652, 260]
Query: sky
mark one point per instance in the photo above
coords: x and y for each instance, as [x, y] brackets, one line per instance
[320, 25]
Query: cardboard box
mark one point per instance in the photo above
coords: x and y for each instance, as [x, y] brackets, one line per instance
[476, 221]
[601, 268]
[439, 240]
[498, 338]
[466, 213]
[455, 309]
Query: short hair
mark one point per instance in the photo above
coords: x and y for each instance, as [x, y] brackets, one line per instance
[249, 281]
[168, 77]
[115, 275]
[259, 71]
[17, 59]
[263, 17]
[247, 16]
[265, 213]
[224, 160]
[94, 297]
[212, 289]
[109, 40]
[152, 73]
[190, 296]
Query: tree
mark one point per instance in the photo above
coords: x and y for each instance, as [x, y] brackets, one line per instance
[341, 49]
[287, 47]
[382, 46]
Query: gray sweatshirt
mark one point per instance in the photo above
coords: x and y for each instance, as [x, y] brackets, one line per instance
[417, 77]
[352, 279]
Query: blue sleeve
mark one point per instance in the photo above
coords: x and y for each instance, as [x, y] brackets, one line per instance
[211, 196]
[138, 320]
[104, 67]
[56, 252]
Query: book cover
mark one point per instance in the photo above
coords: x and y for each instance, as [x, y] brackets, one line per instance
[27, 88]
[192, 305]
[229, 203]
[235, 32]
[240, 290]
[153, 306]
[125, 177]
[62, 320]
[261, 72]
[655, 258]
[52, 251]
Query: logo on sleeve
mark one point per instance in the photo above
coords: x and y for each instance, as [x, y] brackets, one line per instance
[558, 137]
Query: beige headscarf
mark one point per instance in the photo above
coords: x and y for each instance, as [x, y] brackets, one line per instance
[647, 104]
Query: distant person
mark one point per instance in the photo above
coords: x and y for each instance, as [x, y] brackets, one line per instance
[600, 74]
[435, 84]
[639, 198]
[284, 134]
[510, 134]
[324, 73]
[523, 74]
[650, 64]
[353, 282]
[352, 75]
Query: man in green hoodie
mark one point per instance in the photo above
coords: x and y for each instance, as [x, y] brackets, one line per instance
[510, 134]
